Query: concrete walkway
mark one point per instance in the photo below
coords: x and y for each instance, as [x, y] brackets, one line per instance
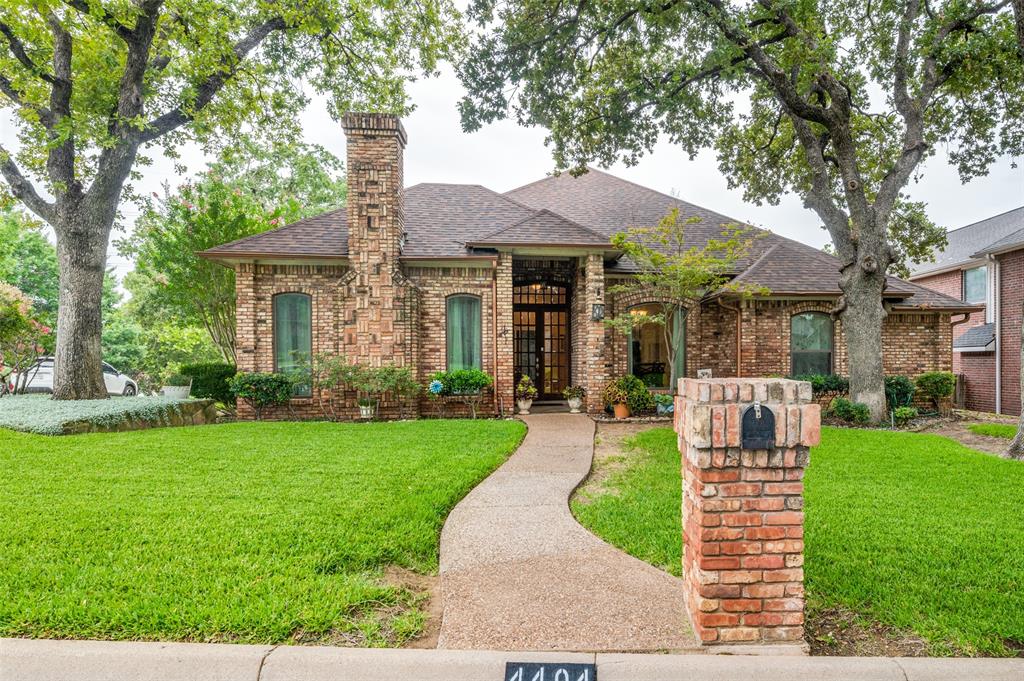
[519, 573]
[43, 660]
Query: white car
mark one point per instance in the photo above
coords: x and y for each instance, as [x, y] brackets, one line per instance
[41, 379]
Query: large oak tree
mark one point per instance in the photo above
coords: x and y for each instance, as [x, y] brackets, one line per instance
[91, 84]
[838, 101]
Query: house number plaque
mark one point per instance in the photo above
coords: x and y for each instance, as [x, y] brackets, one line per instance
[758, 427]
[550, 671]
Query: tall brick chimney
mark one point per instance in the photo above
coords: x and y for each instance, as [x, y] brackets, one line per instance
[375, 330]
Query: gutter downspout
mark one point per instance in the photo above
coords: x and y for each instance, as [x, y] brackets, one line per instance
[997, 315]
[739, 335]
[953, 325]
[494, 338]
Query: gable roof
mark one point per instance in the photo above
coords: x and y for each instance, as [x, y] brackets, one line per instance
[452, 221]
[970, 242]
[543, 228]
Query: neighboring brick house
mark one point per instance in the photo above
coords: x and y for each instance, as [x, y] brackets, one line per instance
[439, 276]
[984, 264]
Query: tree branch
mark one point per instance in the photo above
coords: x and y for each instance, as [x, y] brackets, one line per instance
[175, 118]
[105, 16]
[60, 161]
[22, 188]
[17, 48]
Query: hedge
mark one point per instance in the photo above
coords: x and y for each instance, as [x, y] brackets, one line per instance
[210, 380]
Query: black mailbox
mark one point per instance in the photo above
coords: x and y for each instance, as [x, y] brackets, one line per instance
[758, 430]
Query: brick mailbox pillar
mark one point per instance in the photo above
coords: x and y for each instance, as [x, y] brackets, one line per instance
[744, 445]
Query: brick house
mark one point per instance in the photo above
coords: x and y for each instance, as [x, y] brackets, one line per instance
[438, 276]
[984, 264]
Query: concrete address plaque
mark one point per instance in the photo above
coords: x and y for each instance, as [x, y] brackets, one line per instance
[758, 427]
[548, 671]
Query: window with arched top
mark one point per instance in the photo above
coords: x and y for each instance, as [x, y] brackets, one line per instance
[463, 331]
[293, 335]
[811, 344]
[651, 358]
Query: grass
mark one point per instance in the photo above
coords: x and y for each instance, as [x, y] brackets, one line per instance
[644, 494]
[993, 429]
[247, 532]
[912, 530]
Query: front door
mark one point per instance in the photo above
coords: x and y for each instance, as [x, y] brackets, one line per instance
[541, 337]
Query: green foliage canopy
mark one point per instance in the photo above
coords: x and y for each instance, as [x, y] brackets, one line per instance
[837, 101]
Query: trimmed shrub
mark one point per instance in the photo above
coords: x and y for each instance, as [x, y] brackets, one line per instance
[937, 384]
[464, 381]
[262, 390]
[850, 412]
[211, 380]
[177, 380]
[899, 391]
[900, 415]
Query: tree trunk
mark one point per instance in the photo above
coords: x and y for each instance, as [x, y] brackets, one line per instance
[862, 284]
[82, 256]
[1016, 450]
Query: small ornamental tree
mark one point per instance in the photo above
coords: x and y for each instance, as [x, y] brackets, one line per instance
[677, 274]
[22, 337]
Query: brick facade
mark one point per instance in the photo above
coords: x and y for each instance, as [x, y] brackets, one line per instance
[979, 369]
[743, 508]
[372, 307]
[1011, 298]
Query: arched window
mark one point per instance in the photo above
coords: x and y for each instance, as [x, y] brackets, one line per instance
[463, 332]
[811, 344]
[649, 357]
[293, 335]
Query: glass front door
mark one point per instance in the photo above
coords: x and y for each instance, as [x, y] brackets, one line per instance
[541, 337]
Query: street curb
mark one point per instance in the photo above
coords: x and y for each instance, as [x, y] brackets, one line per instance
[48, 660]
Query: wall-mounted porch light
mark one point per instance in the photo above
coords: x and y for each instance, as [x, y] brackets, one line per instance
[597, 312]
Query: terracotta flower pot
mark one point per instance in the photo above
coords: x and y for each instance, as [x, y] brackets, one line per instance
[621, 410]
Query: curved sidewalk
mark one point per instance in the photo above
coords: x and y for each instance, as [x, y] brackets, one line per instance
[519, 573]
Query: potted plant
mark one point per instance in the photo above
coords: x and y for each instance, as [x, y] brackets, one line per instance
[526, 393]
[177, 386]
[369, 384]
[665, 403]
[574, 394]
[618, 397]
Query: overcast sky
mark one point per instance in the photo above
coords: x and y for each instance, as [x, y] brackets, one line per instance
[504, 156]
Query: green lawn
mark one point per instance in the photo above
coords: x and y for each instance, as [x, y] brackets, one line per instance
[646, 494]
[242, 532]
[912, 530]
[993, 429]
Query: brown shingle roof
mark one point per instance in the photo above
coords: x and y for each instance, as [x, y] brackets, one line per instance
[449, 220]
[608, 204]
[441, 218]
[544, 228]
[320, 236]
